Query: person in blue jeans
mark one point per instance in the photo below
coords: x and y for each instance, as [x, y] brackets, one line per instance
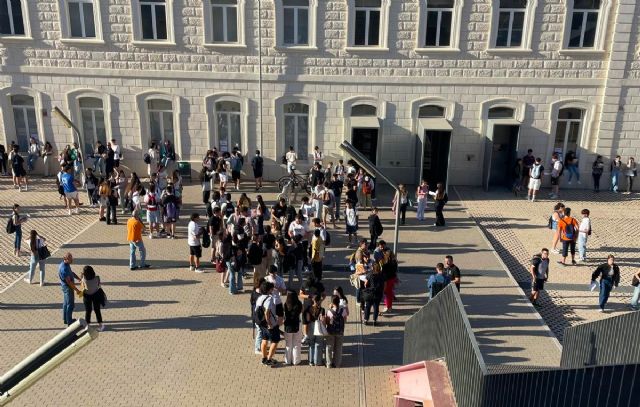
[234, 265]
[17, 223]
[68, 286]
[316, 343]
[635, 298]
[609, 274]
[616, 168]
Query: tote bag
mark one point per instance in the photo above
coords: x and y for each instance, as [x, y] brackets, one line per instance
[319, 329]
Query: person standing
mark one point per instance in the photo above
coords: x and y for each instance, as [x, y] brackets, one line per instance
[46, 157]
[422, 193]
[69, 185]
[92, 295]
[609, 274]
[117, 153]
[375, 228]
[635, 298]
[317, 254]
[317, 155]
[568, 229]
[631, 172]
[437, 282]
[351, 221]
[313, 313]
[400, 202]
[583, 234]
[571, 164]
[17, 168]
[265, 311]
[167, 154]
[134, 236]
[539, 274]
[372, 293]
[336, 186]
[441, 198]
[67, 283]
[108, 160]
[35, 243]
[452, 271]
[237, 162]
[291, 157]
[17, 221]
[194, 231]
[616, 168]
[527, 163]
[154, 158]
[335, 321]
[33, 154]
[292, 333]
[367, 192]
[596, 172]
[257, 163]
[556, 172]
[535, 179]
[3, 160]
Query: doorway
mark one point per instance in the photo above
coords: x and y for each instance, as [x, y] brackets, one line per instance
[435, 158]
[366, 142]
[504, 153]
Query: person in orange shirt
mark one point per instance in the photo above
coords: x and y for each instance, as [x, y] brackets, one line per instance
[568, 230]
[134, 236]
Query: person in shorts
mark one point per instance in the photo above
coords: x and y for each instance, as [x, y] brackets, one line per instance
[271, 332]
[70, 190]
[535, 179]
[195, 247]
[556, 173]
[152, 200]
[539, 273]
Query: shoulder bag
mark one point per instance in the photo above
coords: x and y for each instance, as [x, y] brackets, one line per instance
[319, 328]
[43, 253]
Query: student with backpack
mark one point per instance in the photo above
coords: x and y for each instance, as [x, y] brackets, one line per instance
[375, 228]
[437, 282]
[556, 172]
[539, 274]
[268, 321]
[170, 215]
[17, 168]
[292, 332]
[568, 228]
[372, 292]
[335, 320]
[36, 243]
[535, 179]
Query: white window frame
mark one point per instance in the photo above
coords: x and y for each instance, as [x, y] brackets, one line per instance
[601, 30]
[385, 5]
[6, 107]
[448, 106]
[454, 42]
[65, 23]
[25, 22]
[212, 119]
[136, 20]
[381, 114]
[296, 143]
[585, 128]
[312, 13]
[73, 107]
[208, 26]
[527, 27]
[281, 148]
[145, 125]
[229, 115]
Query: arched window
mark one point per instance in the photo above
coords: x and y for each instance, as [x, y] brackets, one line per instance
[93, 123]
[228, 125]
[24, 119]
[161, 126]
[363, 110]
[501, 112]
[296, 128]
[429, 111]
[568, 130]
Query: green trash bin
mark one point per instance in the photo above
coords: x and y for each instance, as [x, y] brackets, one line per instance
[184, 169]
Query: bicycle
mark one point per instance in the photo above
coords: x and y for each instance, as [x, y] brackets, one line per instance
[293, 183]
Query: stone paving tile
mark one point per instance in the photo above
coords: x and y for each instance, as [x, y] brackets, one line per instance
[518, 229]
[47, 216]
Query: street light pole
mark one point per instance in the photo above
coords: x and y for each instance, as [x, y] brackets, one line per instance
[260, 74]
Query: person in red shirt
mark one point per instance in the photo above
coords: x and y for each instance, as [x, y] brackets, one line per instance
[568, 230]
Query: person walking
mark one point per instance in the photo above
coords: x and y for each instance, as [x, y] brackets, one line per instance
[571, 164]
[134, 236]
[630, 171]
[336, 186]
[292, 333]
[635, 298]
[375, 228]
[616, 169]
[422, 193]
[194, 232]
[67, 282]
[69, 186]
[539, 274]
[257, 163]
[33, 154]
[568, 229]
[584, 232]
[596, 172]
[535, 179]
[400, 202]
[92, 295]
[35, 243]
[556, 172]
[335, 320]
[441, 198]
[17, 221]
[609, 274]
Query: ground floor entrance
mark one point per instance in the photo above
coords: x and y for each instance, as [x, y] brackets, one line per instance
[501, 153]
[366, 142]
[435, 157]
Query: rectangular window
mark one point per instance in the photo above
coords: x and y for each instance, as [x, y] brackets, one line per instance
[511, 23]
[568, 131]
[367, 23]
[439, 18]
[11, 17]
[225, 20]
[24, 120]
[81, 19]
[160, 120]
[153, 14]
[296, 22]
[584, 24]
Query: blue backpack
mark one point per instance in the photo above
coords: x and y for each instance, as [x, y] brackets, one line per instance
[171, 212]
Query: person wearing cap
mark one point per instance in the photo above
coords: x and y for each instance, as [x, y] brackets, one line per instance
[134, 236]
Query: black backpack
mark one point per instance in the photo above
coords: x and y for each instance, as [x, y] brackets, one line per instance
[11, 227]
[284, 159]
[336, 323]
[229, 210]
[327, 240]
[206, 239]
[255, 254]
[436, 287]
[146, 158]
[260, 314]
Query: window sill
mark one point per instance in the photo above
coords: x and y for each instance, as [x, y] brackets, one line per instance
[82, 41]
[509, 51]
[295, 48]
[429, 50]
[16, 38]
[222, 45]
[151, 43]
[582, 51]
[366, 49]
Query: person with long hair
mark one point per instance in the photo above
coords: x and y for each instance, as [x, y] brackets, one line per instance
[372, 293]
[630, 171]
[17, 223]
[35, 242]
[401, 201]
[292, 333]
[313, 313]
[441, 198]
[596, 172]
[47, 152]
[336, 319]
[92, 295]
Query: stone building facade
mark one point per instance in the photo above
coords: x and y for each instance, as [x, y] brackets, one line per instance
[445, 89]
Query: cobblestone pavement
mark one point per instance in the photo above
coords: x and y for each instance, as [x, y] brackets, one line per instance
[47, 216]
[518, 229]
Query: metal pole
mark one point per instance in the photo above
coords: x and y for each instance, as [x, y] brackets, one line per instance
[260, 73]
[396, 235]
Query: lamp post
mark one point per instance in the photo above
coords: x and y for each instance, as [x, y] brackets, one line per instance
[260, 74]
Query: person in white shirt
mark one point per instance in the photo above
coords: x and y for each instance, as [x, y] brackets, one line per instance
[317, 155]
[277, 281]
[583, 234]
[556, 173]
[291, 158]
[317, 194]
[298, 228]
[351, 220]
[34, 153]
[307, 209]
[193, 239]
[339, 170]
[117, 153]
